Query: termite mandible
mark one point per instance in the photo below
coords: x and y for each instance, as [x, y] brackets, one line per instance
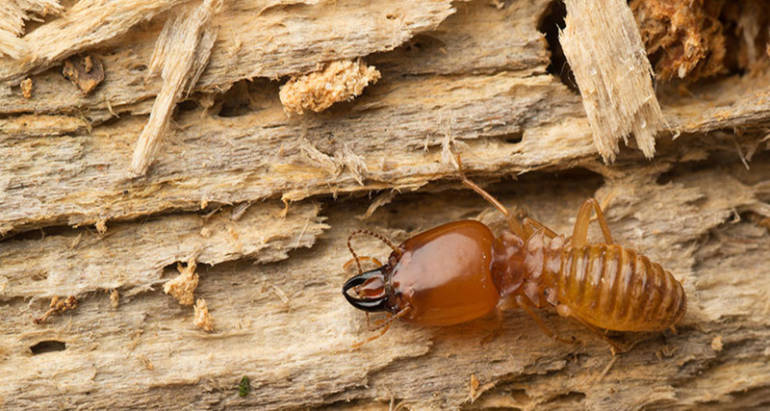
[460, 271]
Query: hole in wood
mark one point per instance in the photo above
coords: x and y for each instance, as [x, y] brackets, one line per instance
[47, 346]
[550, 23]
[247, 96]
[513, 138]
[571, 398]
[187, 105]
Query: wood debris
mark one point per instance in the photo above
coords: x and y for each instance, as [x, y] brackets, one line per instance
[12, 21]
[101, 226]
[26, 87]
[86, 72]
[203, 319]
[686, 35]
[148, 365]
[58, 306]
[474, 388]
[81, 27]
[181, 54]
[613, 74]
[692, 40]
[114, 298]
[716, 343]
[182, 287]
[481, 80]
[338, 81]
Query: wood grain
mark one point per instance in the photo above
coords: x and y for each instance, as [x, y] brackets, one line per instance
[457, 77]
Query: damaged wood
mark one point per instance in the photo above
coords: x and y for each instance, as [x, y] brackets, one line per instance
[266, 141]
[613, 74]
[262, 331]
[85, 73]
[131, 256]
[480, 111]
[475, 78]
[692, 40]
[255, 39]
[13, 19]
[78, 28]
[181, 54]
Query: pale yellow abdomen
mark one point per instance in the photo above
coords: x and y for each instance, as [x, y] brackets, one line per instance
[615, 288]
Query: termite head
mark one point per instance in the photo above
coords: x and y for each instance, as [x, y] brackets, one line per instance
[439, 277]
[370, 288]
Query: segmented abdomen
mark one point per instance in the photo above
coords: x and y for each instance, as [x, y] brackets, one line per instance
[615, 288]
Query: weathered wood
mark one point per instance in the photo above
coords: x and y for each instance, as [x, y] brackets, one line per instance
[266, 141]
[613, 73]
[469, 78]
[131, 256]
[255, 39]
[296, 351]
[12, 22]
[181, 54]
[487, 108]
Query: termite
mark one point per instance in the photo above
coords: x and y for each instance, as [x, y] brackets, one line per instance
[460, 271]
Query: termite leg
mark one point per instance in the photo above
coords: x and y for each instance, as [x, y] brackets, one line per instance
[497, 317]
[534, 225]
[513, 223]
[385, 328]
[580, 232]
[540, 323]
[673, 330]
[615, 346]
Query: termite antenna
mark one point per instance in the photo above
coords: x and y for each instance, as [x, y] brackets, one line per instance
[379, 236]
[513, 222]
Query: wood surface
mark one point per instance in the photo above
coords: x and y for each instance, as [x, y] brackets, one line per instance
[456, 77]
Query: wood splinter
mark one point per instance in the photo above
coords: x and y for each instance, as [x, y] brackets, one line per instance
[181, 54]
[613, 74]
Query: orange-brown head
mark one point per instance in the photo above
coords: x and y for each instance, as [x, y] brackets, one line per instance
[443, 276]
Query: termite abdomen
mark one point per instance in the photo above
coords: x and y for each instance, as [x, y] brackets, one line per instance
[612, 287]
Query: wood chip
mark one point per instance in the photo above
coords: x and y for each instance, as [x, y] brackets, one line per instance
[114, 298]
[182, 287]
[26, 87]
[203, 319]
[716, 343]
